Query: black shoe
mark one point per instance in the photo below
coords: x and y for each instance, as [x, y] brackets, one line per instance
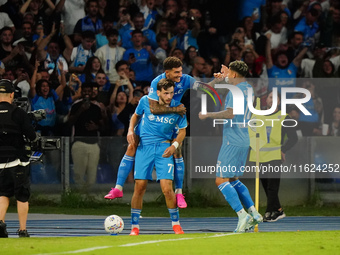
[23, 233]
[267, 217]
[277, 215]
[3, 231]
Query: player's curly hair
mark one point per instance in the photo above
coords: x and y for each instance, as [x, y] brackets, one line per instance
[239, 67]
[171, 62]
[165, 84]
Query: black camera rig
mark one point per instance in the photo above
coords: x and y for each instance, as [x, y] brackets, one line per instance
[36, 148]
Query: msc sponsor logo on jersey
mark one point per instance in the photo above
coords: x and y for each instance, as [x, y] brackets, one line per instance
[180, 91]
[165, 120]
[151, 117]
[284, 82]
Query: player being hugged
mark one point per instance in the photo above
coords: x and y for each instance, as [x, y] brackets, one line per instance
[156, 150]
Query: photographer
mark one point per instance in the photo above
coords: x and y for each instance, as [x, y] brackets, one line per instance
[14, 171]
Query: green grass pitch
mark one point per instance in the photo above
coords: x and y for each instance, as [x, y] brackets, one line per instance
[304, 242]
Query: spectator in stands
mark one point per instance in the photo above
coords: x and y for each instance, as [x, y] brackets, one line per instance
[51, 56]
[234, 52]
[81, 53]
[5, 21]
[161, 53]
[22, 80]
[308, 25]
[102, 8]
[147, 7]
[184, 38]
[278, 32]
[125, 73]
[124, 23]
[101, 38]
[171, 12]
[208, 69]
[119, 101]
[294, 45]
[26, 38]
[110, 54]
[330, 32]
[11, 7]
[71, 11]
[163, 28]
[198, 68]
[179, 54]
[334, 127]
[86, 119]
[92, 67]
[44, 97]
[310, 124]
[89, 22]
[42, 10]
[254, 9]
[250, 36]
[140, 58]
[284, 72]
[189, 56]
[104, 92]
[9, 55]
[125, 115]
[149, 36]
[256, 69]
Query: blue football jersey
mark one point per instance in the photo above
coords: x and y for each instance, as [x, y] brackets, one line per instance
[185, 83]
[158, 128]
[235, 132]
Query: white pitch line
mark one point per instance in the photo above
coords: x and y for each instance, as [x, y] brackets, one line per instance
[170, 240]
[135, 244]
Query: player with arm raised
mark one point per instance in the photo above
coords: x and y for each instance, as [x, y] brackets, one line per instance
[234, 150]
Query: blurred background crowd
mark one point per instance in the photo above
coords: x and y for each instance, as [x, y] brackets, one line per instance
[88, 62]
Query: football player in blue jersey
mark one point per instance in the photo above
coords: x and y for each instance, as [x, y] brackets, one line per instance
[155, 149]
[173, 71]
[234, 150]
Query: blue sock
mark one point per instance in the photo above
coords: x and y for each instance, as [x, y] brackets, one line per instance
[243, 193]
[135, 213]
[174, 215]
[124, 169]
[179, 173]
[231, 196]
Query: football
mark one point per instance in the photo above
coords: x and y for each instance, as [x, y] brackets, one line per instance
[114, 224]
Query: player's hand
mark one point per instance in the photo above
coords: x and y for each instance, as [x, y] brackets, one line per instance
[181, 110]
[202, 116]
[224, 70]
[131, 137]
[169, 151]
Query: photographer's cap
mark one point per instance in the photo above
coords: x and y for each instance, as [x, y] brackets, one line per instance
[6, 86]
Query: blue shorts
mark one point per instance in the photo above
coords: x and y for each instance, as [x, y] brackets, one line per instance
[231, 161]
[149, 156]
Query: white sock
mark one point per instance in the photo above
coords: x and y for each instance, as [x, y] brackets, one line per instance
[178, 191]
[119, 187]
[175, 223]
[241, 213]
[134, 226]
[252, 209]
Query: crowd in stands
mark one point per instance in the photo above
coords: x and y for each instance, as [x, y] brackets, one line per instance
[88, 62]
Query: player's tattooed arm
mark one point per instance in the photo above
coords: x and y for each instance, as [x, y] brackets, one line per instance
[157, 109]
[227, 114]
